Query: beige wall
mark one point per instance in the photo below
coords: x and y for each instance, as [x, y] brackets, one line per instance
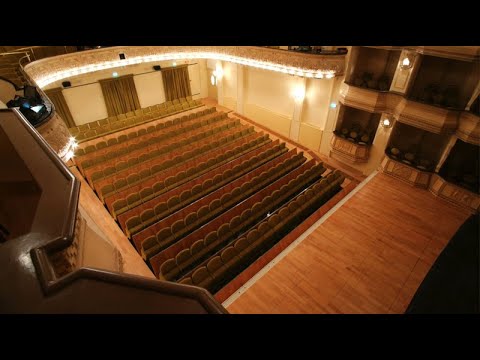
[317, 102]
[202, 68]
[194, 75]
[270, 90]
[310, 136]
[230, 91]
[230, 79]
[86, 103]
[149, 88]
[268, 99]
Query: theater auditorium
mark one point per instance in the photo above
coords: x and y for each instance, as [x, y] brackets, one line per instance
[239, 179]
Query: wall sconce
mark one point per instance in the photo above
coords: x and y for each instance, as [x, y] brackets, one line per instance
[386, 123]
[218, 71]
[407, 60]
[299, 93]
[213, 78]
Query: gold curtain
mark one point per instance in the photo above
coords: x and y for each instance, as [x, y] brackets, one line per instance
[120, 95]
[61, 106]
[176, 82]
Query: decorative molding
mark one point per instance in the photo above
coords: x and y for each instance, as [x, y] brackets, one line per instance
[348, 150]
[409, 174]
[48, 70]
[56, 133]
[427, 117]
[453, 193]
[469, 128]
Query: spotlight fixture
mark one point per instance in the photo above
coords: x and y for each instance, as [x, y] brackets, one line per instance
[386, 123]
[299, 93]
[407, 60]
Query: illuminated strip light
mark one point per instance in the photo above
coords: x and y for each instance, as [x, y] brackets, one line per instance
[318, 74]
[68, 150]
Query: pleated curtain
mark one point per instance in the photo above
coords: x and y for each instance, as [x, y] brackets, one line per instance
[120, 95]
[176, 82]
[61, 106]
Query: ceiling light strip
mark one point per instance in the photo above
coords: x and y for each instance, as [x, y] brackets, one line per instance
[309, 73]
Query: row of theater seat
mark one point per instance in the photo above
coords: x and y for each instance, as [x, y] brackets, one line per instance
[173, 199]
[237, 225]
[145, 136]
[151, 230]
[115, 141]
[235, 257]
[180, 185]
[168, 174]
[210, 204]
[187, 159]
[195, 175]
[140, 116]
[275, 193]
[159, 145]
[116, 194]
[174, 152]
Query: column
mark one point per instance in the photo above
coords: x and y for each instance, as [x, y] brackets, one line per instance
[403, 78]
[446, 152]
[299, 98]
[219, 70]
[332, 116]
[240, 89]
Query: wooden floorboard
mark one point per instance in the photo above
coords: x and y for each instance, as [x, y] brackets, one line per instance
[369, 256]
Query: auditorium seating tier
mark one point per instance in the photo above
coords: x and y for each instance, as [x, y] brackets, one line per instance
[202, 196]
[119, 122]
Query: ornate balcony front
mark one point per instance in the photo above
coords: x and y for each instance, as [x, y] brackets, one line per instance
[349, 150]
[427, 117]
[48, 70]
[414, 176]
[453, 193]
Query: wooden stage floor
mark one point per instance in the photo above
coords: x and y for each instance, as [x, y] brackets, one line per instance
[369, 256]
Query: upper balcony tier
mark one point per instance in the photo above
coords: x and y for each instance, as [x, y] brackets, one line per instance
[48, 70]
[432, 118]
